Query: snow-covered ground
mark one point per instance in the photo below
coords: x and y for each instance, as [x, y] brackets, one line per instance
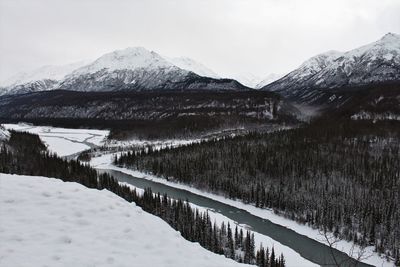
[105, 162]
[46, 222]
[64, 141]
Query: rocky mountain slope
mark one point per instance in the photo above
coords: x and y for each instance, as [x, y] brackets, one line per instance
[370, 64]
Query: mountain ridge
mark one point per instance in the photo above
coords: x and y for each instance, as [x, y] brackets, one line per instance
[372, 63]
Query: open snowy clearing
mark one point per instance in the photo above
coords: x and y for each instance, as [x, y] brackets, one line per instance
[64, 141]
[46, 222]
[105, 162]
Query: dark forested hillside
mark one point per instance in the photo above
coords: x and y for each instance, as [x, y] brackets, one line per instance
[374, 102]
[154, 114]
[25, 154]
[343, 176]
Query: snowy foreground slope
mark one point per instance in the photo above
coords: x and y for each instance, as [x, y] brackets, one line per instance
[46, 222]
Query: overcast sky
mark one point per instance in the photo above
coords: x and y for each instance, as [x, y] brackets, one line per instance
[228, 36]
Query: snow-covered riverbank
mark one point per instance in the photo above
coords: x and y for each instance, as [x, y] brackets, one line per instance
[47, 222]
[105, 162]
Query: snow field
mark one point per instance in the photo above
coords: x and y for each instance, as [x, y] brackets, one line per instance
[46, 222]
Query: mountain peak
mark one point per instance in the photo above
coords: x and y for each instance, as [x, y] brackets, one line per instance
[130, 58]
[391, 37]
[133, 51]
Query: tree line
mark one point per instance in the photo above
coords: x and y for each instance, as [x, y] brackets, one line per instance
[340, 176]
[25, 154]
[197, 226]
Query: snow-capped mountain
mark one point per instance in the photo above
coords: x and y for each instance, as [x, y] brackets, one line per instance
[131, 58]
[140, 69]
[373, 63]
[134, 68]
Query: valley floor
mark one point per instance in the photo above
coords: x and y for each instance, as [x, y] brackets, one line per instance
[47, 222]
[292, 258]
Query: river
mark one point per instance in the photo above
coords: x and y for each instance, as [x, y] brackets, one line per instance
[308, 248]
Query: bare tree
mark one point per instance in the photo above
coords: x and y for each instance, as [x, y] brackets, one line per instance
[355, 257]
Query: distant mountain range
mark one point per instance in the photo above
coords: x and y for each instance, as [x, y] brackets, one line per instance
[321, 80]
[134, 68]
[374, 63]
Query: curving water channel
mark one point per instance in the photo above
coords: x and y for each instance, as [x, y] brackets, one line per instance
[308, 248]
